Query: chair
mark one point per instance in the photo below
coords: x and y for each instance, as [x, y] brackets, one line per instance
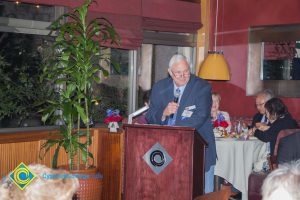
[255, 182]
[289, 148]
[222, 194]
[282, 153]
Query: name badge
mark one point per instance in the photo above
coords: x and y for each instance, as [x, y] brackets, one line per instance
[190, 107]
[187, 113]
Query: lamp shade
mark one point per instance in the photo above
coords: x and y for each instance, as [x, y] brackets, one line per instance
[214, 67]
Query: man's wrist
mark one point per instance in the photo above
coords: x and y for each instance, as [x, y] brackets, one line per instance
[163, 118]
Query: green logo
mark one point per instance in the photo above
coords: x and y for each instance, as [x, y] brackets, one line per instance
[22, 176]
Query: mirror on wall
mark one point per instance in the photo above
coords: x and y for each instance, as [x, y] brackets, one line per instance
[274, 60]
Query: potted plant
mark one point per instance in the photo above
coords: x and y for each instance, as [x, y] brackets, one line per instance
[74, 68]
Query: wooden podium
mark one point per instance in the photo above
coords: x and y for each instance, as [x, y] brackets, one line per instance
[163, 162]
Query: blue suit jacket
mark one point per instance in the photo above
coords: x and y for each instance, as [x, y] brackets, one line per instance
[196, 93]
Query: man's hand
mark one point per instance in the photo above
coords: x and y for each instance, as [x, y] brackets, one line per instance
[251, 131]
[263, 127]
[259, 124]
[170, 109]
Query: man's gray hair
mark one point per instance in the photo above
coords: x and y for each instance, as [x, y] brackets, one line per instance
[267, 94]
[177, 58]
[286, 178]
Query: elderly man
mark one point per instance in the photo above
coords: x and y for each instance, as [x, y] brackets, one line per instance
[260, 118]
[185, 100]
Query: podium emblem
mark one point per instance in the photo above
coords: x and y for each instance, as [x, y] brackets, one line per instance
[157, 158]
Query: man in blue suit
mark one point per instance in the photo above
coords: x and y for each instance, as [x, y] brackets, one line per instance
[185, 100]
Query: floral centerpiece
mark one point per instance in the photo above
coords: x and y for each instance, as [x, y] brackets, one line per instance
[112, 118]
[220, 121]
[220, 125]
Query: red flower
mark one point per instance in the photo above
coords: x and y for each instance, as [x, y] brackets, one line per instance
[223, 124]
[112, 118]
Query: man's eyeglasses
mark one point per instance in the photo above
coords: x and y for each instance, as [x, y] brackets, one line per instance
[179, 74]
[260, 104]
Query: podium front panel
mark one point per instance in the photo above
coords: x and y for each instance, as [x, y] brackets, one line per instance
[160, 162]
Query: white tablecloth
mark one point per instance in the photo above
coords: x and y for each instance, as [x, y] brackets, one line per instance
[235, 161]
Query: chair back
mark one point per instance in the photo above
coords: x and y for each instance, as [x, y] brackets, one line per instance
[255, 180]
[281, 134]
[273, 159]
[289, 148]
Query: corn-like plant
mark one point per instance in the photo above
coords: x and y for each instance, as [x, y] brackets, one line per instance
[74, 67]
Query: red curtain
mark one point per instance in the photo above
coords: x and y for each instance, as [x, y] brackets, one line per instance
[131, 17]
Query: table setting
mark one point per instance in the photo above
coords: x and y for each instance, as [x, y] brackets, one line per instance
[237, 152]
[221, 134]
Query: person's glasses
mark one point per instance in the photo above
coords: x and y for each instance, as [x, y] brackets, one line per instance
[179, 74]
[260, 104]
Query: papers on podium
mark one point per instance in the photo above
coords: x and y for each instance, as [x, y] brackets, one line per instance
[136, 113]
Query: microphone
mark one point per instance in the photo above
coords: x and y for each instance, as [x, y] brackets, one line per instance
[176, 98]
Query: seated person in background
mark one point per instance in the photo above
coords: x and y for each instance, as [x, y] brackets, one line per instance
[141, 119]
[279, 119]
[283, 183]
[219, 118]
[260, 117]
[42, 187]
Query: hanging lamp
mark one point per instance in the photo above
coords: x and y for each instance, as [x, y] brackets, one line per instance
[215, 67]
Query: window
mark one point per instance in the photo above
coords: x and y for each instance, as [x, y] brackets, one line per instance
[112, 92]
[27, 11]
[155, 53]
[24, 49]
[281, 60]
[24, 40]
[273, 60]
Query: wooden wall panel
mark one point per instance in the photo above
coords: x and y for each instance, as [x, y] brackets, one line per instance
[110, 164]
[28, 152]
[12, 154]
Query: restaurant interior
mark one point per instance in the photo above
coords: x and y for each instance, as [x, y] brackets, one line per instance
[239, 47]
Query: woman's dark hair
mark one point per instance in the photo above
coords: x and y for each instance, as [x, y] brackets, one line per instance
[146, 96]
[276, 108]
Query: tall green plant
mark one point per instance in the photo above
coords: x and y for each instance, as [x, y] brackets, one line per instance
[77, 61]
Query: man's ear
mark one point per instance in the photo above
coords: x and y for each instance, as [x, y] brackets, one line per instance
[170, 73]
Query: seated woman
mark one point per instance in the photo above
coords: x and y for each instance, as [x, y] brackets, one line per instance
[220, 119]
[279, 119]
[142, 118]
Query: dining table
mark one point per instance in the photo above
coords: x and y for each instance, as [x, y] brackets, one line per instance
[236, 158]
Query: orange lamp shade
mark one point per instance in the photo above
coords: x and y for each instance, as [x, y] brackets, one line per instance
[214, 67]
